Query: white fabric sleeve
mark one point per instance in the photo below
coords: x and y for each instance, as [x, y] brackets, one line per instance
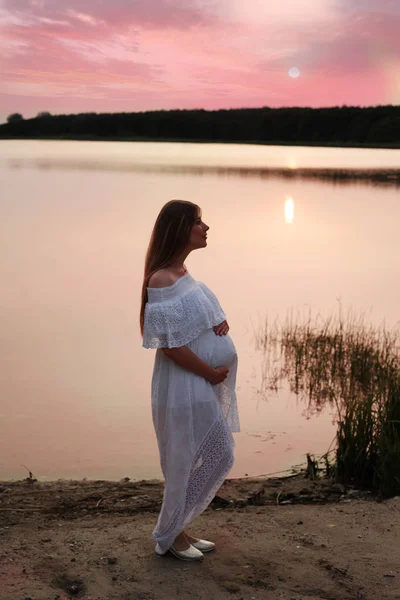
[176, 322]
[212, 298]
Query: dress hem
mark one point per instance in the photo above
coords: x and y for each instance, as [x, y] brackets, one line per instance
[203, 481]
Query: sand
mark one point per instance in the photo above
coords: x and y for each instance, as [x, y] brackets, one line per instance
[280, 539]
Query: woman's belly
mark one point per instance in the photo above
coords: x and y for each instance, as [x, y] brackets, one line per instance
[215, 350]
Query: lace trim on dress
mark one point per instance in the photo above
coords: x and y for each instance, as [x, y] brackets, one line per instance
[212, 462]
[177, 314]
[227, 398]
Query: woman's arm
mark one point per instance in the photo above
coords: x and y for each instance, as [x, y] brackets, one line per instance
[184, 357]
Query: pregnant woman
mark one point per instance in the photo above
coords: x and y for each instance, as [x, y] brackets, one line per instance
[193, 398]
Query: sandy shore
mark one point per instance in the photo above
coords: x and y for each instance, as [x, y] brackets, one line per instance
[279, 539]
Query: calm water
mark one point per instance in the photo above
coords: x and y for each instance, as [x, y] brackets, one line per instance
[75, 220]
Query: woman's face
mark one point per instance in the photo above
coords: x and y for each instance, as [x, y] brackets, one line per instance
[198, 235]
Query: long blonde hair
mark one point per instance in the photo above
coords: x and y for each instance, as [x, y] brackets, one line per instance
[168, 240]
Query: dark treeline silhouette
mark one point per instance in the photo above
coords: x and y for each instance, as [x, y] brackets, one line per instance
[341, 126]
[14, 118]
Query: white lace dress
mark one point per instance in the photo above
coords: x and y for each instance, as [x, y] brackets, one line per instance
[193, 419]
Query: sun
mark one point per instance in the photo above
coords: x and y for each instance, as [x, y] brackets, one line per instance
[294, 72]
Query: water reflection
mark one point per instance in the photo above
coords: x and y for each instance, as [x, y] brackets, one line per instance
[332, 361]
[289, 210]
[378, 177]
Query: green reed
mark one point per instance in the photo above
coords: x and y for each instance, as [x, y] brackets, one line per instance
[355, 369]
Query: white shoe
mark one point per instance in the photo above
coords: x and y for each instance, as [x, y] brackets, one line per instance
[204, 545]
[189, 554]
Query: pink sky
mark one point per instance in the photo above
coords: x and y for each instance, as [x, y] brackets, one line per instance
[126, 55]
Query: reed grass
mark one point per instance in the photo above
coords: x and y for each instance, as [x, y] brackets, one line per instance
[354, 368]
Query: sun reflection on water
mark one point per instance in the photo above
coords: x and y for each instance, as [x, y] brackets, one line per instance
[289, 210]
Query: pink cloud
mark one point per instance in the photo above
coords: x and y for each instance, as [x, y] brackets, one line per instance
[348, 48]
[86, 14]
[86, 55]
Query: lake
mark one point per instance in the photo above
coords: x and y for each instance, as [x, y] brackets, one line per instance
[75, 221]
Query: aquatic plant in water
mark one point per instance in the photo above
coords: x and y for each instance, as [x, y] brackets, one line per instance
[353, 367]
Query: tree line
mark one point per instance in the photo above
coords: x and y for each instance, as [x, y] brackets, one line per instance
[341, 126]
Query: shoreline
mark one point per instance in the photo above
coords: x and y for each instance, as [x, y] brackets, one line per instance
[296, 488]
[286, 538]
[319, 144]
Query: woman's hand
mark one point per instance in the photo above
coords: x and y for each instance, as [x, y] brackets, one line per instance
[218, 375]
[221, 329]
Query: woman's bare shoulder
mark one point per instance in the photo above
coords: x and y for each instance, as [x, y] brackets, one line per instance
[162, 278]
